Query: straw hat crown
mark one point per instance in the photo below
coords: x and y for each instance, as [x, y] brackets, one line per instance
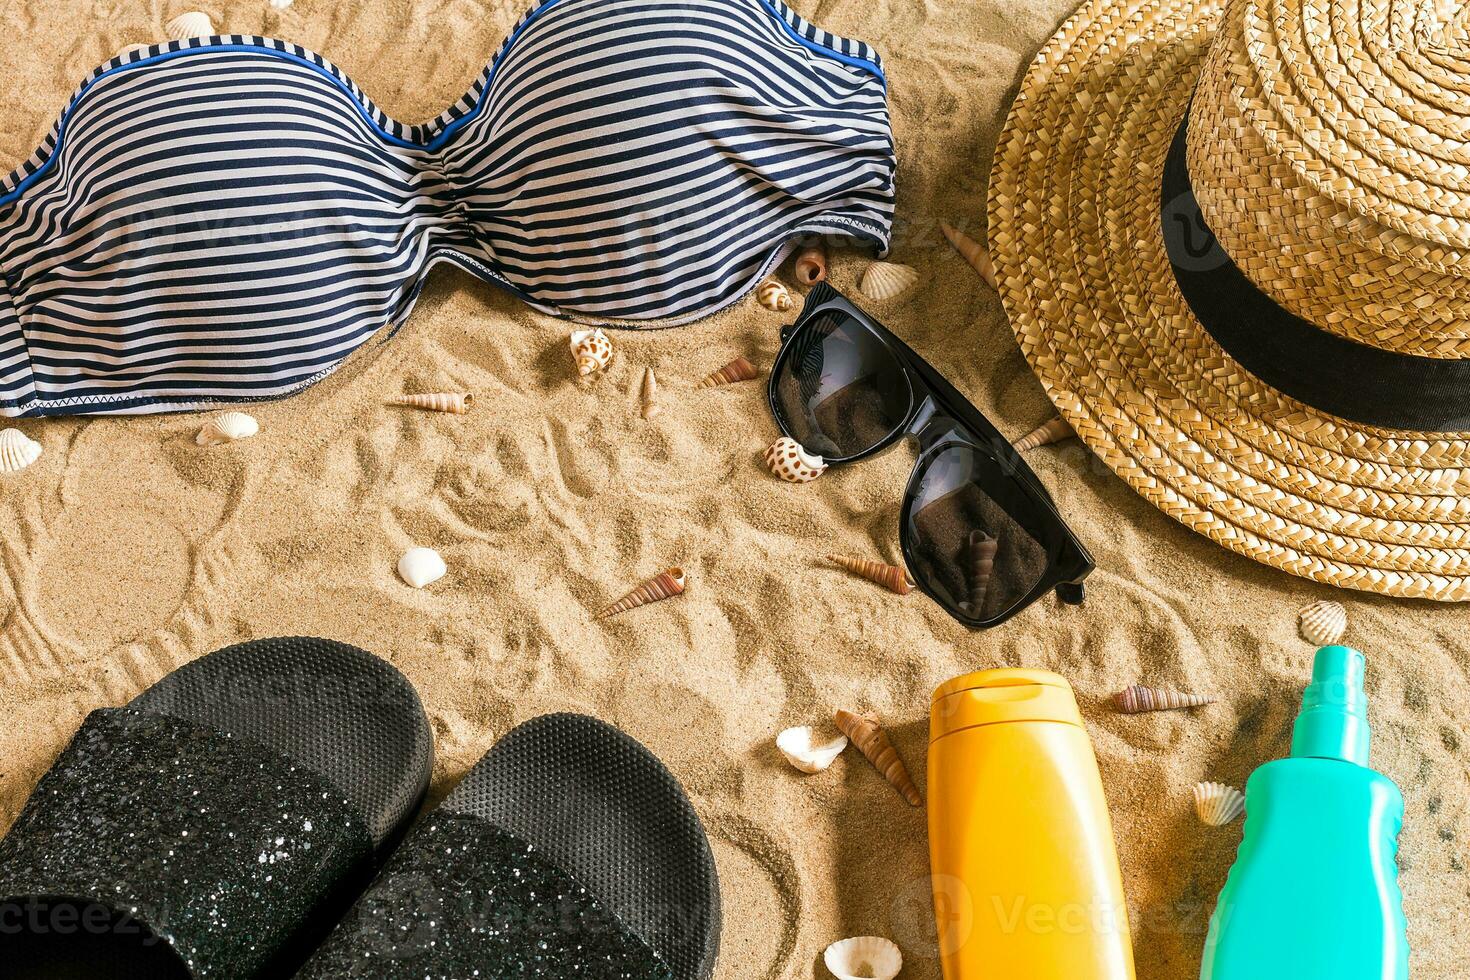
[1329, 151]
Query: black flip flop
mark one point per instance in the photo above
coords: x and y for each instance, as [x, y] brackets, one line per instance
[569, 851]
[217, 825]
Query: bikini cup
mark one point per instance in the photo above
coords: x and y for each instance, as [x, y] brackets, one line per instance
[227, 219]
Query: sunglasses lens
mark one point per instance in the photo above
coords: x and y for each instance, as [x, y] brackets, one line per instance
[968, 537]
[840, 389]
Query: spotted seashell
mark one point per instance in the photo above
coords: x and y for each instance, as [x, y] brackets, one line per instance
[17, 450]
[591, 350]
[887, 280]
[774, 296]
[195, 23]
[1322, 623]
[792, 463]
[863, 958]
[227, 427]
[1218, 804]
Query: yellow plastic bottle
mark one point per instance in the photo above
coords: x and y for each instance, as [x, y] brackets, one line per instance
[1026, 882]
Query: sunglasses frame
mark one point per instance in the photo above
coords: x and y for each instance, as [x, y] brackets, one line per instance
[939, 418]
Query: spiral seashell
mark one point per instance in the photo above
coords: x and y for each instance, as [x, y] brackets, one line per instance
[811, 264]
[737, 370]
[980, 564]
[421, 566]
[591, 350]
[891, 577]
[1138, 698]
[1048, 432]
[792, 463]
[863, 958]
[801, 749]
[664, 585]
[17, 450]
[195, 23]
[872, 741]
[1218, 804]
[651, 406]
[773, 296]
[454, 402]
[887, 280]
[227, 427]
[973, 252]
[1322, 623]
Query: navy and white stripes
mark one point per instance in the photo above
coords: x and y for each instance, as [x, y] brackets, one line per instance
[227, 219]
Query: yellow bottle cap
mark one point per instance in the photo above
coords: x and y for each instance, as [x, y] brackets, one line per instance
[988, 697]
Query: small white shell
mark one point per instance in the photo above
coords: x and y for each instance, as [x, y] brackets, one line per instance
[796, 744]
[227, 427]
[195, 23]
[281, 4]
[17, 450]
[863, 958]
[1218, 804]
[591, 350]
[129, 49]
[774, 296]
[792, 463]
[421, 566]
[888, 280]
[1322, 623]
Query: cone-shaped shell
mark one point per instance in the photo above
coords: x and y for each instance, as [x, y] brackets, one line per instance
[1139, 697]
[792, 463]
[195, 23]
[801, 749]
[591, 350]
[1218, 804]
[863, 958]
[454, 402]
[887, 280]
[773, 296]
[17, 450]
[873, 742]
[891, 577]
[1050, 431]
[1323, 623]
[973, 252]
[649, 395]
[737, 370]
[227, 427]
[811, 264]
[664, 585]
[421, 566]
[979, 564]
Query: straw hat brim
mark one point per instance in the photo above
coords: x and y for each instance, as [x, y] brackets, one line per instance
[1075, 235]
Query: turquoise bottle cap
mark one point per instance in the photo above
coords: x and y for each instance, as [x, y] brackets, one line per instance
[1333, 723]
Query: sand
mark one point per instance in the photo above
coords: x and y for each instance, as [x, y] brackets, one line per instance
[127, 550]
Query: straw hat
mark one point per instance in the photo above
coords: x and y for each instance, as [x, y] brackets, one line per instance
[1234, 243]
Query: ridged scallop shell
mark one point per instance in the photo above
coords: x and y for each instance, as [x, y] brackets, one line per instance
[591, 350]
[454, 402]
[739, 369]
[17, 450]
[864, 958]
[773, 296]
[421, 566]
[891, 577]
[1218, 804]
[873, 742]
[792, 463]
[195, 23]
[800, 748]
[227, 427]
[1138, 698]
[651, 406]
[664, 585]
[887, 280]
[811, 264]
[1322, 623]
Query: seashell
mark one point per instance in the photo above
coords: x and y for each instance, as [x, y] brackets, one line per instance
[126, 50]
[974, 253]
[227, 427]
[873, 742]
[737, 370]
[591, 350]
[980, 558]
[17, 450]
[792, 463]
[651, 406]
[664, 585]
[891, 577]
[195, 23]
[811, 265]
[1218, 804]
[1322, 623]
[863, 958]
[454, 402]
[887, 280]
[800, 749]
[1137, 698]
[773, 296]
[281, 4]
[1048, 432]
[421, 566]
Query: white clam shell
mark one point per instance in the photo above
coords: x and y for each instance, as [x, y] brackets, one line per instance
[195, 23]
[863, 958]
[788, 460]
[227, 427]
[1322, 623]
[887, 280]
[800, 748]
[421, 566]
[17, 450]
[1218, 804]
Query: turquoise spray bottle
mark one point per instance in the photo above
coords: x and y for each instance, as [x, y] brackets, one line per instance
[1314, 891]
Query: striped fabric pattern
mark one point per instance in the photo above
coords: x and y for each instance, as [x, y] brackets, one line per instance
[227, 219]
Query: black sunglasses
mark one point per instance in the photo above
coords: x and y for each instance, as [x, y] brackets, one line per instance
[980, 534]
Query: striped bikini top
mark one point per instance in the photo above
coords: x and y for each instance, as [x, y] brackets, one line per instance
[226, 219]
